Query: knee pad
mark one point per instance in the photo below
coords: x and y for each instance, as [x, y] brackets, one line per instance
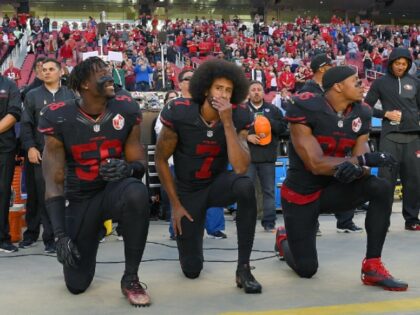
[379, 187]
[136, 198]
[244, 187]
[191, 266]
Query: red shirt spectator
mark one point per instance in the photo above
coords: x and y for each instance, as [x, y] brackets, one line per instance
[65, 29]
[12, 73]
[286, 80]
[66, 52]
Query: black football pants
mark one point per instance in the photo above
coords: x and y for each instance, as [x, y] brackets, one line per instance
[408, 157]
[125, 201]
[301, 220]
[35, 204]
[225, 190]
[7, 168]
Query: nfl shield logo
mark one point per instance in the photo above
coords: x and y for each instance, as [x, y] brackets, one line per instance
[118, 122]
[356, 124]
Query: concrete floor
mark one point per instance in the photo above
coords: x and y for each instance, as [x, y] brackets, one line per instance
[34, 284]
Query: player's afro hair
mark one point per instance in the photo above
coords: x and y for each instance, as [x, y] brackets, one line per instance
[207, 72]
[83, 71]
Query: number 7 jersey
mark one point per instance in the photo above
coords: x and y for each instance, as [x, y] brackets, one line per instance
[88, 141]
[336, 134]
[201, 152]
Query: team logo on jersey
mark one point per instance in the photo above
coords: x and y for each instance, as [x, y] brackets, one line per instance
[96, 128]
[209, 133]
[267, 110]
[356, 124]
[408, 87]
[118, 122]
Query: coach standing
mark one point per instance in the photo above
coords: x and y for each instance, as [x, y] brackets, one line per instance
[399, 94]
[10, 111]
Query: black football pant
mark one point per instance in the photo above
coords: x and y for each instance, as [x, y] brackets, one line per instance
[7, 168]
[225, 190]
[301, 220]
[35, 204]
[125, 201]
[408, 157]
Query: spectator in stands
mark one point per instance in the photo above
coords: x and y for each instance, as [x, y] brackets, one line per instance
[263, 149]
[367, 61]
[12, 72]
[142, 71]
[10, 111]
[171, 52]
[46, 24]
[286, 79]
[33, 143]
[66, 52]
[118, 73]
[352, 49]
[51, 46]
[39, 46]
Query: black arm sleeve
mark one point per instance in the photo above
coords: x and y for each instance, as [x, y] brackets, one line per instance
[15, 105]
[28, 128]
[55, 207]
[372, 97]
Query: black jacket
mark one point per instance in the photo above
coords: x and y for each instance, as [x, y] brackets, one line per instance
[312, 87]
[267, 153]
[35, 83]
[10, 103]
[397, 94]
[35, 100]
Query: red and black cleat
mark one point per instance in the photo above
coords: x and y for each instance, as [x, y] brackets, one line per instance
[375, 273]
[280, 237]
[132, 289]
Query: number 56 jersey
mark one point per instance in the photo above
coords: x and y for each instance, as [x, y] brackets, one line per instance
[89, 141]
[336, 134]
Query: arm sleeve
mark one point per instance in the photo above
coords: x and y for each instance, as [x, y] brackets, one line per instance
[372, 97]
[243, 118]
[167, 116]
[28, 128]
[14, 106]
[296, 115]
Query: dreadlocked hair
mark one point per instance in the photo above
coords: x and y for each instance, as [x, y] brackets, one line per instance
[208, 71]
[83, 71]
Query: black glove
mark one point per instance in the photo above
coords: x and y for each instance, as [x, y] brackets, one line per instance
[347, 172]
[67, 252]
[376, 159]
[116, 169]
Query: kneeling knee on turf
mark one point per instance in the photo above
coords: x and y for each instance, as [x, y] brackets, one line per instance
[191, 266]
[307, 270]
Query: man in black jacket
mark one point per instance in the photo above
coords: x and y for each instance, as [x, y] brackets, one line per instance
[33, 144]
[10, 110]
[399, 94]
[319, 65]
[264, 150]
